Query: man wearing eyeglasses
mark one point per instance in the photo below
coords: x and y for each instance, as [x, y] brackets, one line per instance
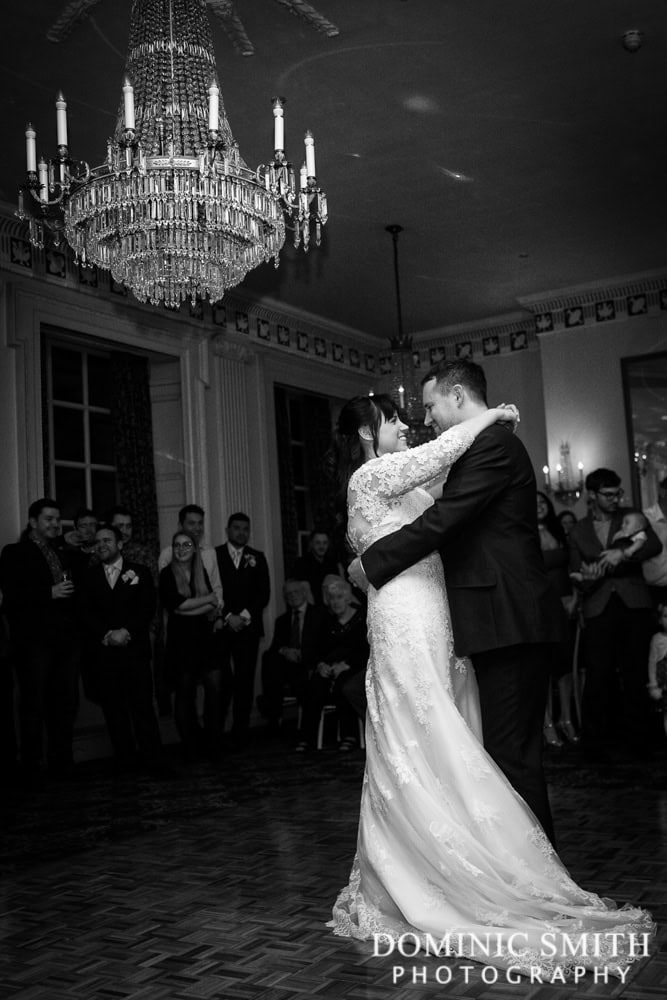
[616, 607]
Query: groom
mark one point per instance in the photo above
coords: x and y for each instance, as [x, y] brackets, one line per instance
[504, 613]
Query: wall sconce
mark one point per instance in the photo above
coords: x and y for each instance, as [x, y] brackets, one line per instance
[568, 489]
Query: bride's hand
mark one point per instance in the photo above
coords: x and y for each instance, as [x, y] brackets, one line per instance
[507, 413]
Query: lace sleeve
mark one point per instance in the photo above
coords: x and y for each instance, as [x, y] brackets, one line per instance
[393, 475]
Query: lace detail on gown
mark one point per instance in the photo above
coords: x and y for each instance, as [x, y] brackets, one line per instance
[445, 845]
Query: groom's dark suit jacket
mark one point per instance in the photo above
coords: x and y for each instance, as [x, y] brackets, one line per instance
[485, 527]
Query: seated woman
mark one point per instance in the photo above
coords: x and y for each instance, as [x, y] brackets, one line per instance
[343, 654]
[190, 652]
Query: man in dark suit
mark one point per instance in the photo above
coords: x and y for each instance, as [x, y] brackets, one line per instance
[37, 576]
[503, 610]
[245, 593]
[617, 611]
[293, 653]
[117, 605]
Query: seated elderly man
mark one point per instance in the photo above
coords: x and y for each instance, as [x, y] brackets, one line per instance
[292, 655]
[343, 654]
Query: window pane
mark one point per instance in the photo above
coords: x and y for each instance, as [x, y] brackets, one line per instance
[104, 491]
[101, 440]
[70, 491]
[99, 381]
[300, 504]
[296, 431]
[68, 435]
[297, 465]
[67, 375]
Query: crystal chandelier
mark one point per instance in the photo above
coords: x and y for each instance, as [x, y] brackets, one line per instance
[568, 489]
[174, 213]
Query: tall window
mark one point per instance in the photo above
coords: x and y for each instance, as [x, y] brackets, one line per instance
[303, 422]
[80, 465]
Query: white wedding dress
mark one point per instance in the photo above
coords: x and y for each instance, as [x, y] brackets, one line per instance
[445, 845]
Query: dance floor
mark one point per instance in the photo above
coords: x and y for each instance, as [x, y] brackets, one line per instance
[217, 882]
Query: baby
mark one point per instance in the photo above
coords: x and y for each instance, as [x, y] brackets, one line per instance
[632, 533]
[629, 538]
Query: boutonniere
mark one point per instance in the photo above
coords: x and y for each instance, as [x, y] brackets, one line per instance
[130, 577]
[249, 561]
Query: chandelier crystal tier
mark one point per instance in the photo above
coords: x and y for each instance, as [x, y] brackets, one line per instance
[174, 213]
[567, 489]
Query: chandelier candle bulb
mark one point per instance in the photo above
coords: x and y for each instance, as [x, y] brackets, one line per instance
[547, 481]
[31, 148]
[128, 103]
[309, 143]
[43, 174]
[213, 107]
[61, 119]
[303, 177]
[278, 124]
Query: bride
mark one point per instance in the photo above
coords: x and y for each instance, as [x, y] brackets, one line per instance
[447, 852]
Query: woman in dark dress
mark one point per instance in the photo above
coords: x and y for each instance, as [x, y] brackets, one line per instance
[190, 652]
[553, 542]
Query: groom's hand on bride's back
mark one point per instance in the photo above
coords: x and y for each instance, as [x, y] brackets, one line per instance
[355, 571]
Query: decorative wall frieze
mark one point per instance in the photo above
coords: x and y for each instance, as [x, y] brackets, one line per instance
[498, 335]
[266, 324]
[598, 303]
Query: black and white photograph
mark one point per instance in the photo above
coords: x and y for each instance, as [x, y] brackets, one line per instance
[333, 547]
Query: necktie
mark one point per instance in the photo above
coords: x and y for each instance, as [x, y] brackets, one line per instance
[295, 631]
[236, 556]
[111, 575]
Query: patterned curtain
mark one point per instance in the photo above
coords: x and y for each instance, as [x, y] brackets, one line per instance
[133, 444]
[288, 517]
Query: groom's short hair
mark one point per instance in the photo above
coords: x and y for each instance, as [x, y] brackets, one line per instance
[460, 372]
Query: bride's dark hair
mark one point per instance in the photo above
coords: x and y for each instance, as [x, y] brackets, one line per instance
[346, 454]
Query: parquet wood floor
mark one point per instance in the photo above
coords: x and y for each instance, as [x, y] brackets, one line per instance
[217, 883]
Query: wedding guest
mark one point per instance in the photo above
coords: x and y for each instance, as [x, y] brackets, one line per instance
[191, 520]
[38, 591]
[617, 612]
[657, 666]
[192, 658]
[82, 536]
[318, 562]
[134, 549]
[556, 562]
[655, 569]
[246, 588]
[567, 521]
[118, 603]
[344, 654]
[292, 655]
[8, 744]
